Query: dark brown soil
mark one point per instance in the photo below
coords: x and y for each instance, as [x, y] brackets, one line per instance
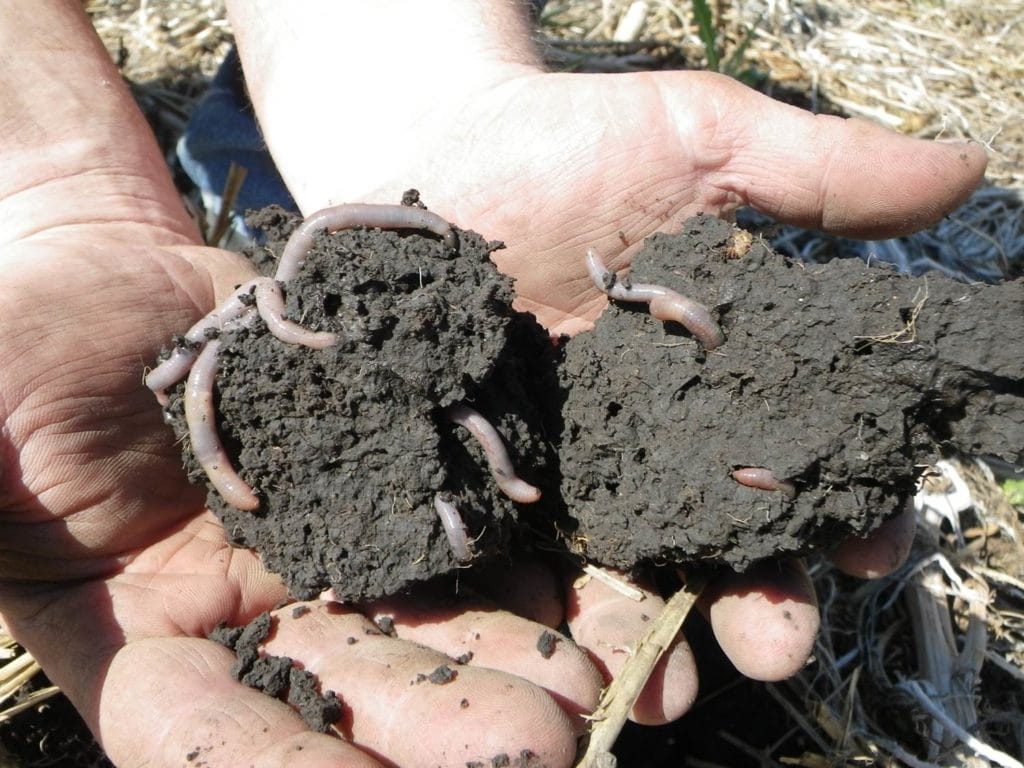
[348, 446]
[278, 676]
[840, 377]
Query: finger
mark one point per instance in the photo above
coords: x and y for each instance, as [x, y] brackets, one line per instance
[765, 620]
[481, 635]
[609, 624]
[414, 706]
[173, 702]
[526, 587]
[880, 552]
[846, 176]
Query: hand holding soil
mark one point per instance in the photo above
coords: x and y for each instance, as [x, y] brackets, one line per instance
[113, 572]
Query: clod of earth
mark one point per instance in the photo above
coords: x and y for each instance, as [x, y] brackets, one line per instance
[277, 676]
[835, 383]
[353, 451]
[769, 407]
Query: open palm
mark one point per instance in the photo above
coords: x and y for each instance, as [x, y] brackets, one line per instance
[113, 573]
[553, 164]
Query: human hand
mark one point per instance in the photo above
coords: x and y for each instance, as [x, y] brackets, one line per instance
[553, 164]
[112, 572]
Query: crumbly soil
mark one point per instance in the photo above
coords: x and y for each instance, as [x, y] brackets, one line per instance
[840, 377]
[348, 446]
[278, 676]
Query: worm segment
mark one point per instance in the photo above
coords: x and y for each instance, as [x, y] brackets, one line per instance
[502, 470]
[665, 304]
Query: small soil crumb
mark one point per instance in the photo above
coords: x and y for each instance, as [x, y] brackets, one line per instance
[546, 644]
[300, 610]
[525, 759]
[386, 624]
[464, 659]
[318, 711]
[442, 675]
[840, 378]
[270, 674]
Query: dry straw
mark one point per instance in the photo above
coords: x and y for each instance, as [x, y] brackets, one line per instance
[17, 668]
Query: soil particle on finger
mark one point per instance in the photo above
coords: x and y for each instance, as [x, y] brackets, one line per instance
[442, 675]
[386, 624]
[546, 644]
[270, 674]
[319, 710]
[839, 378]
[277, 676]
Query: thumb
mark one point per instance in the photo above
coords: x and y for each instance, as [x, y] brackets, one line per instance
[844, 176]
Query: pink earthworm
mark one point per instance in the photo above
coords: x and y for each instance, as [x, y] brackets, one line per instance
[237, 309]
[357, 215]
[177, 365]
[270, 303]
[202, 429]
[764, 479]
[454, 528]
[665, 304]
[502, 470]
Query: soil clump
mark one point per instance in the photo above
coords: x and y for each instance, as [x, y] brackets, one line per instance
[348, 446]
[278, 676]
[841, 378]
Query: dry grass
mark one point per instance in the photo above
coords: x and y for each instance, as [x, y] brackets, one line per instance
[925, 667]
[17, 668]
[924, 68]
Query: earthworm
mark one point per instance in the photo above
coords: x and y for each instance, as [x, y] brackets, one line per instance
[502, 470]
[665, 304]
[356, 215]
[270, 303]
[764, 479]
[454, 528]
[238, 307]
[170, 371]
[202, 430]
[177, 365]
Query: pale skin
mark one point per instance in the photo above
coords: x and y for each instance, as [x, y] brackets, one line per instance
[111, 571]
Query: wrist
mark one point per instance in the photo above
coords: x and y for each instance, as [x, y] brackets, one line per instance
[350, 96]
[74, 148]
